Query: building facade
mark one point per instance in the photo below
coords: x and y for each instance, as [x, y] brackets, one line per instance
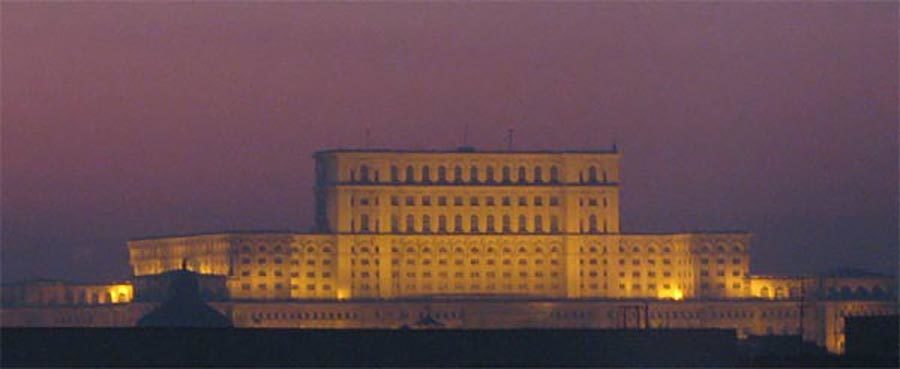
[496, 239]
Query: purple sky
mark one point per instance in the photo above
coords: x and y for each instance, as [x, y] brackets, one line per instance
[124, 120]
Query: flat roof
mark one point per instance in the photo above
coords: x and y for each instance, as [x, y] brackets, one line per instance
[465, 150]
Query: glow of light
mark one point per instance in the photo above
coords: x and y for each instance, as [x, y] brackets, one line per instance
[677, 295]
[342, 294]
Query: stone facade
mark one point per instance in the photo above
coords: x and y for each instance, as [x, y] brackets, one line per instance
[483, 240]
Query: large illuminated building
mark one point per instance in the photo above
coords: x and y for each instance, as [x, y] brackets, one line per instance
[495, 239]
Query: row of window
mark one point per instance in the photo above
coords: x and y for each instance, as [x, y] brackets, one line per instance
[280, 249]
[397, 262]
[635, 274]
[263, 261]
[306, 316]
[423, 175]
[719, 273]
[474, 226]
[444, 274]
[706, 286]
[476, 201]
[279, 273]
[281, 286]
[411, 287]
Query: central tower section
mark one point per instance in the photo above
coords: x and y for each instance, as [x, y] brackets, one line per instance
[467, 192]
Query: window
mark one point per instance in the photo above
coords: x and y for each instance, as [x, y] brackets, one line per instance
[592, 174]
[490, 223]
[457, 201]
[442, 223]
[538, 201]
[364, 174]
[473, 222]
[457, 174]
[395, 174]
[442, 201]
[457, 223]
[395, 224]
[489, 174]
[506, 224]
[426, 223]
[554, 174]
[522, 178]
[473, 174]
[410, 174]
[426, 174]
[522, 226]
[592, 223]
[506, 201]
[442, 174]
[538, 224]
[410, 201]
[426, 200]
[554, 224]
[538, 175]
[554, 201]
[523, 201]
[473, 201]
[489, 201]
[395, 201]
[364, 222]
[410, 224]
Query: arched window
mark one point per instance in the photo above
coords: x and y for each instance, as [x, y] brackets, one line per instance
[490, 224]
[473, 174]
[364, 174]
[592, 224]
[522, 175]
[779, 292]
[352, 176]
[457, 174]
[506, 175]
[442, 174]
[489, 174]
[473, 223]
[395, 174]
[764, 292]
[410, 174]
[538, 175]
[426, 174]
[538, 224]
[592, 174]
[507, 228]
[457, 223]
[426, 223]
[554, 174]
[523, 226]
[554, 224]
[395, 224]
[410, 224]
[442, 223]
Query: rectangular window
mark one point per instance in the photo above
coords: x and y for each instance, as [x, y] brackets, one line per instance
[554, 201]
[426, 200]
[457, 201]
[523, 201]
[395, 201]
[410, 201]
[442, 201]
[538, 201]
[489, 201]
[506, 201]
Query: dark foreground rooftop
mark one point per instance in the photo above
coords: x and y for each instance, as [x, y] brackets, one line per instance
[405, 347]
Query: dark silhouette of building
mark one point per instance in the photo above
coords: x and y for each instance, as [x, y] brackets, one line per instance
[184, 307]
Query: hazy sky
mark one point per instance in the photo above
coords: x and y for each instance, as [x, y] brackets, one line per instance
[124, 120]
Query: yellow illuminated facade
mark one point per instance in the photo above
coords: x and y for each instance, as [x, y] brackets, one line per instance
[397, 224]
[477, 240]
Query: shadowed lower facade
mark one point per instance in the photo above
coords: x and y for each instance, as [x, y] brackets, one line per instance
[506, 239]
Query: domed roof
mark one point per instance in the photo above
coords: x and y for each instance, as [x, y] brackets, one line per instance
[185, 307]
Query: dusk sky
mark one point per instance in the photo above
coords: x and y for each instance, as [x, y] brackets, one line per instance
[125, 120]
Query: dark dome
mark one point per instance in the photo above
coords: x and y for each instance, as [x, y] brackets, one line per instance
[185, 307]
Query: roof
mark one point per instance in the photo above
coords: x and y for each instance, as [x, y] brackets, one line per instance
[465, 150]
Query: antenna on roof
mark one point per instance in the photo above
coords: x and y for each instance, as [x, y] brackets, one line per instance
[368, 133]
[615, 147]
[466, 135]
[509, 139]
